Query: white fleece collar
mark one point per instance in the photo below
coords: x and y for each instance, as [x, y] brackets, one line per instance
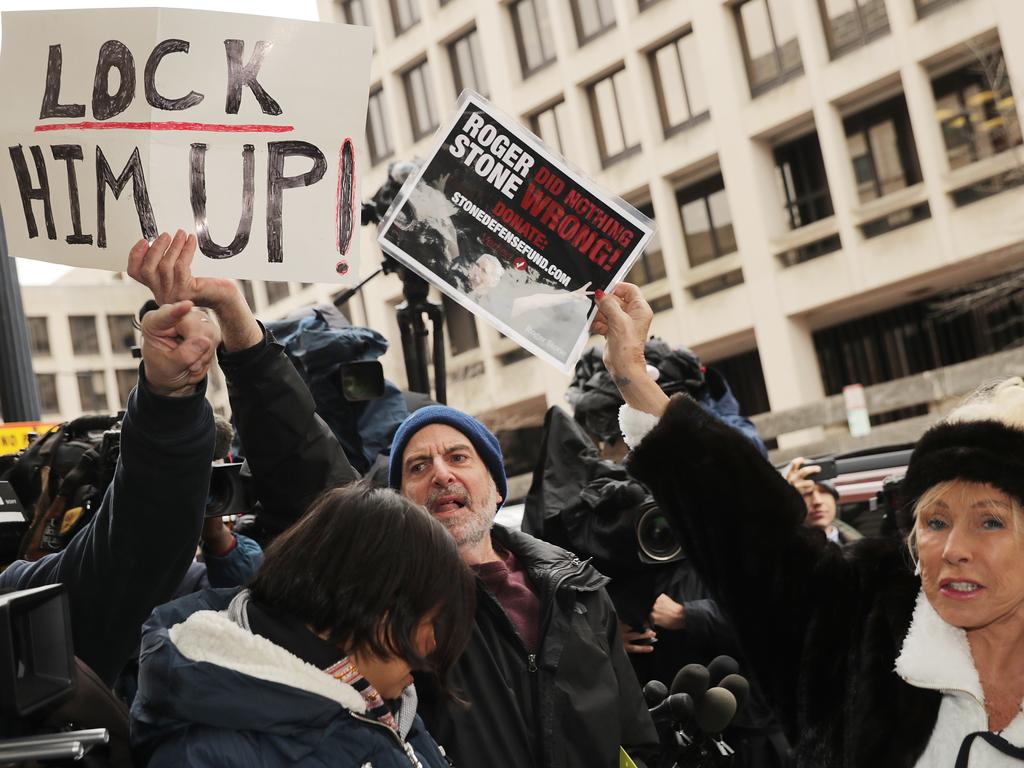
[936, 655]
[212, 637]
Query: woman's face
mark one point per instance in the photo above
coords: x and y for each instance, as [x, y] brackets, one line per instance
[392, 675]
[972, 556]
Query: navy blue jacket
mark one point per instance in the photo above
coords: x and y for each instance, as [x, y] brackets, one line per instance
[135, 551]
[212, 693]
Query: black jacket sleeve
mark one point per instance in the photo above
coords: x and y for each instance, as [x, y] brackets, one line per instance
[742, 527]
[135, 551]
[292, 453]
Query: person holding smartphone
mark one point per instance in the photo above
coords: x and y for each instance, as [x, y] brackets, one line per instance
[821, 497]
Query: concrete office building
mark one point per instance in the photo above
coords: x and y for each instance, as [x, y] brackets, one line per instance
[821, 172]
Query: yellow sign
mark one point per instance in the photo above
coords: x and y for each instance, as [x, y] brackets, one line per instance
[14, 435]
[624, 760]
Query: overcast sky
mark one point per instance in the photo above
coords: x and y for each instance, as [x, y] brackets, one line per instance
[40, 272]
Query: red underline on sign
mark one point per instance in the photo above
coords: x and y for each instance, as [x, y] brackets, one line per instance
[170, 126]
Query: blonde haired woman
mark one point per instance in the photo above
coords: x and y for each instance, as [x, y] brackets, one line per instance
[878, 654]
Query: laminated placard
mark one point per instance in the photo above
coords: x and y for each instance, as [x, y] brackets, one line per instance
[506, 227]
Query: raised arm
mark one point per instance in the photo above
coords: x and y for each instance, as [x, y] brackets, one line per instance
[292, 453]
[740, 521]
[135, 551]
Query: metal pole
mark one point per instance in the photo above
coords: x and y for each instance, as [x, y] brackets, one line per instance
[19, 399]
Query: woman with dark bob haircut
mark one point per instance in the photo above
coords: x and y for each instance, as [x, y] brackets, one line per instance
[312, 663]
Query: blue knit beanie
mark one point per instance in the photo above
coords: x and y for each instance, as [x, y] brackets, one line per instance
[481, 437]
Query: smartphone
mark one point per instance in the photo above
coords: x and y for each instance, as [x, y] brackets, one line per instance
[828, 468]
[363, 380]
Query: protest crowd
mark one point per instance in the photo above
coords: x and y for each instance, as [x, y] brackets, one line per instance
[671, 598]
[388, 621]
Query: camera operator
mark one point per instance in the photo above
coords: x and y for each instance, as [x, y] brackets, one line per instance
[134, 552]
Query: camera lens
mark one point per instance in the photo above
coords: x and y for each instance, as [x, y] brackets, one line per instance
[655, 535]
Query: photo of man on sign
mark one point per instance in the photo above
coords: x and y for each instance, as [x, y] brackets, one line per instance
[500, 223]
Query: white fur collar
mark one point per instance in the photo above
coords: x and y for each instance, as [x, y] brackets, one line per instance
[936, 655]
[212, 637]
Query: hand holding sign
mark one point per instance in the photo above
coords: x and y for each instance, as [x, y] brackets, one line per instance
[165, 267]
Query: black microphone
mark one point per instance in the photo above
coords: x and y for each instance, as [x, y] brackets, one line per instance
[715, 711]
[655, 692]
[682, 708]
[667, 710]
[692, 679]
[739, 687]
[720, 667]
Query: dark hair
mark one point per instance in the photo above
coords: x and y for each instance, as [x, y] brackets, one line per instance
[366, 566]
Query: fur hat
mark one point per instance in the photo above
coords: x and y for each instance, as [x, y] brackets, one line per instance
[985, 451]
[483, 440]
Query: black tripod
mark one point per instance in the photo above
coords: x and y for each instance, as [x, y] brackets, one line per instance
[410, 313]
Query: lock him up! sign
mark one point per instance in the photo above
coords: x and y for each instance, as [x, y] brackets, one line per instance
[119, 124]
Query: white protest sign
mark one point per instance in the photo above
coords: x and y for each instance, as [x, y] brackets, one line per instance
[122, 123]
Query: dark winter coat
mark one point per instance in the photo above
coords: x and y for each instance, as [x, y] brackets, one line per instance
[292, 452]
[821, 625]
[134, 552]
[571, 704]
[212, 694]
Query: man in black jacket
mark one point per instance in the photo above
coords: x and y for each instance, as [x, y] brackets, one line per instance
[546, 676]
[136, 549]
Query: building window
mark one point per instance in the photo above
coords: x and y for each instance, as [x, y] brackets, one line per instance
[651, 264]
[850, 24]
[356, 12]
[127, 378]
[924, 7]
[881, 146]
[592, 18]
[745, 377]
[46, 384]
[276, 291]
[533, 35]
[770, 47]
[801, 175]
[83, 335]
[716, 284]
[38, 335]
[678, 82]
[616, 136]
[976, 109]
[377, 135]
[417, 96]
[461, 324]
[92, 391]
[122, 333]
[468, 64]
[405, 14]
[964, 324]
[707, 221]
[248, 293]
[548, 124]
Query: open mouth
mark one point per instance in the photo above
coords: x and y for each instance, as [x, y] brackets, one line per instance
[447, 504]
[960, 588]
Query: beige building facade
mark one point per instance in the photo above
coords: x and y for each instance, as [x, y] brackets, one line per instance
[813, 166]
[819, 172]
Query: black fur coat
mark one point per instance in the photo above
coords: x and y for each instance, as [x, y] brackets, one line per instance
[821, 625]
